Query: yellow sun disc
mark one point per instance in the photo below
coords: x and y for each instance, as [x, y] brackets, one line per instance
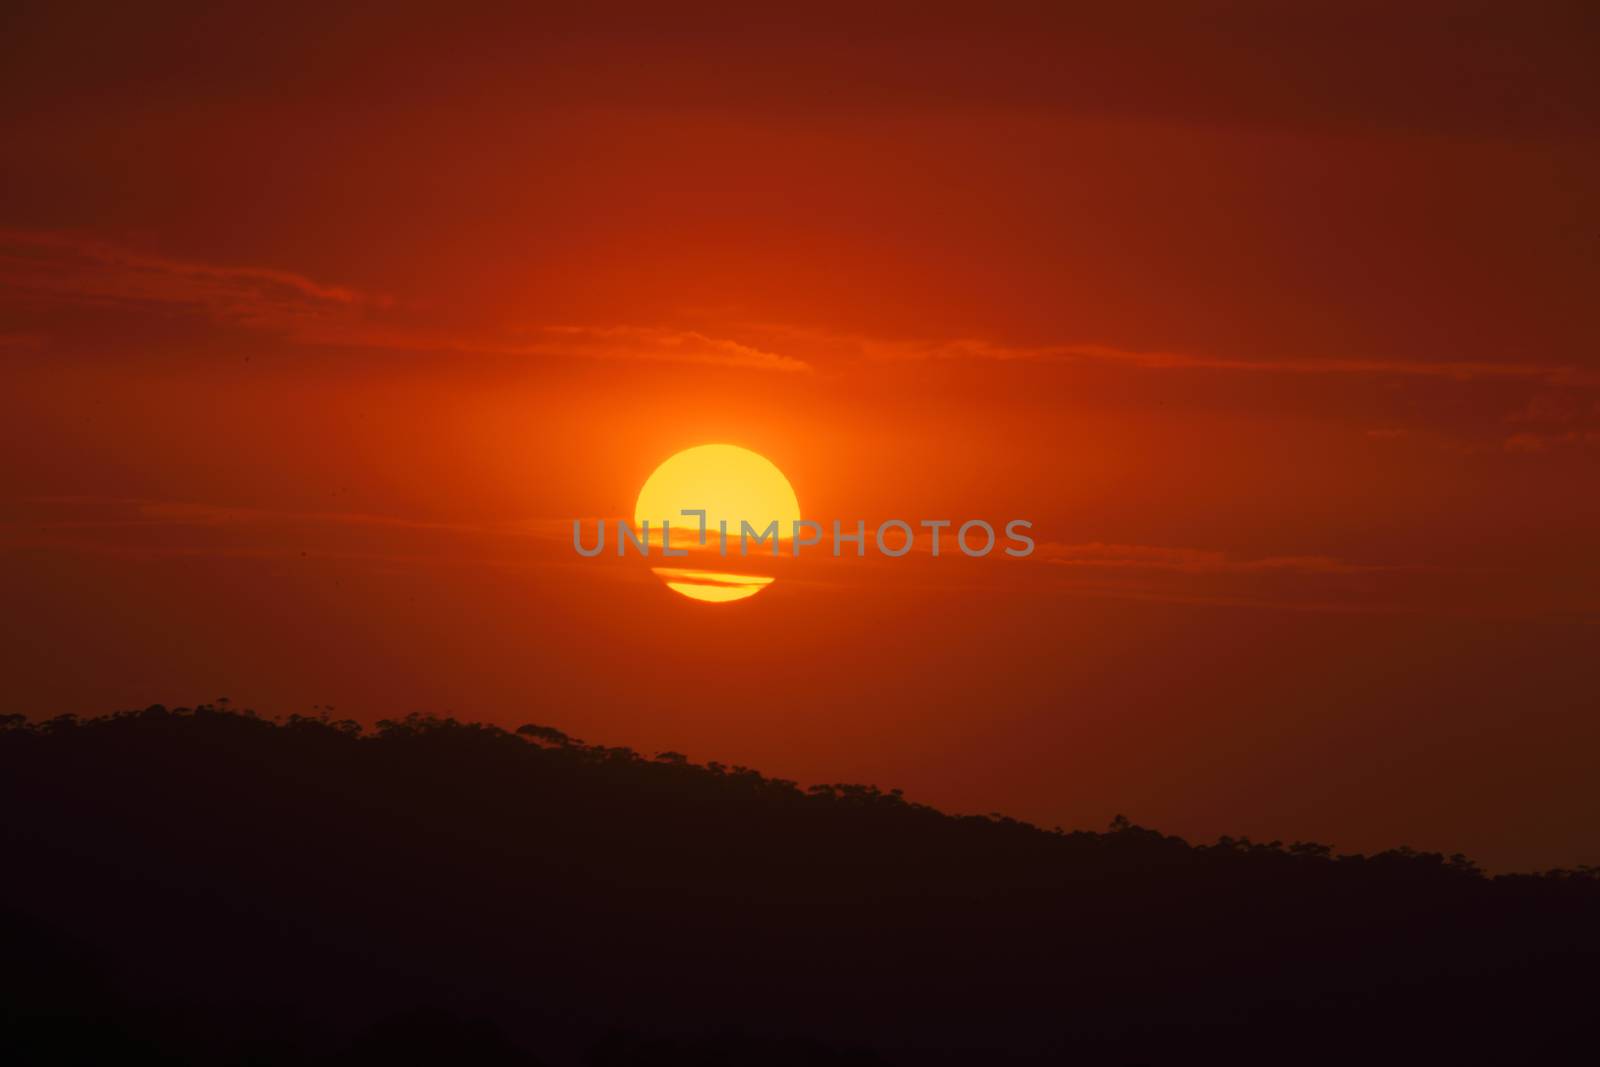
[731, 485]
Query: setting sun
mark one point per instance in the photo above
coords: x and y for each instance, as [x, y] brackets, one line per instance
[733, 486]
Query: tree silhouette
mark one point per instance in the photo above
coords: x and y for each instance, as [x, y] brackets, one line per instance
[207, 886]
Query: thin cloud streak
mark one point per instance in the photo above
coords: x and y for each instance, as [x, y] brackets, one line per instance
[1460, 370]
[1097, 554]
[44, 268]
[622, 343]
[135, 512]
[888, 350]
[145, 529]
[138, 512]
[68, 262]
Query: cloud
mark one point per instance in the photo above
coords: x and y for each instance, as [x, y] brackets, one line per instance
[148, 529]
[684, 346]
[1096, 554]
[1526, 443]
[1550, 422]
[1302, 582]
[608, 343]
[140, 529]
[1529, 444]
[47, 267]
[44, 268]
[1457, 370]
[1543, 409]
[84, 513]
[75, 513]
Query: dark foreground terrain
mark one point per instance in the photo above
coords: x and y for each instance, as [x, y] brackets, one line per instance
[201, 886]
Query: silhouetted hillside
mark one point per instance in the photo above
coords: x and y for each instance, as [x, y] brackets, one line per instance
[205, 886]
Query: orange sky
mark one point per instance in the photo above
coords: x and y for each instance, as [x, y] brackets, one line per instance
[316, 333]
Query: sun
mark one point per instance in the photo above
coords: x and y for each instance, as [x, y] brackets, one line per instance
[732, 485]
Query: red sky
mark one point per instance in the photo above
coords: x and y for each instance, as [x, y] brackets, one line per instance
[316, 331]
